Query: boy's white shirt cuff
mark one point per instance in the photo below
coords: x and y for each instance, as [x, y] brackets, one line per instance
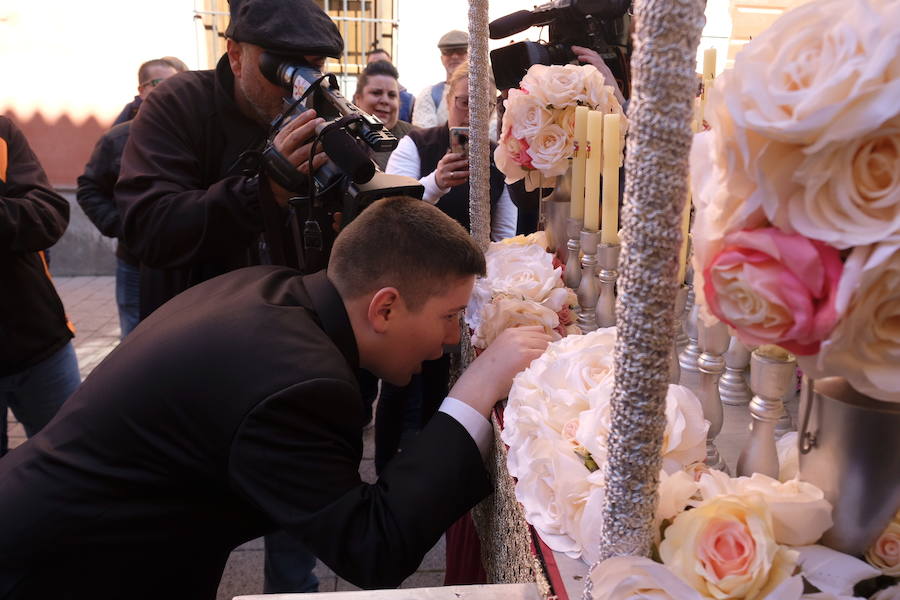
[479, 428]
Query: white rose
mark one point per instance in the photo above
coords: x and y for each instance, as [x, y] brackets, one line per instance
[556, 86]
[504, 312]
[788, 456]
[800, 512]
[638, 578]
[891, 593]
[525, 114]
[560, 298]
[684, 441]
[522, 271]
[864, 347]
[675, 494]
[825, 71]
[550, 150]
[833, 572]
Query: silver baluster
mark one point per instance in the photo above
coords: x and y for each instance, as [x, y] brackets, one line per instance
[687, 359]
[573, 258]
[608, 259]
[714, 341]
[589, 288]
[785, 424]
[772, 372]
[733, 385]
[681, 297]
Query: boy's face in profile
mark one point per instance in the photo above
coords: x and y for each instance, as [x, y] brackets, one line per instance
[420, 335]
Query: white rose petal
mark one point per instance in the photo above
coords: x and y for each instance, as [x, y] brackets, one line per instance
[638, 578]
[831, 571]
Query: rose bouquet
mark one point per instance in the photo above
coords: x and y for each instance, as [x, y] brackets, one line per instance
[797, 193]
[538, 134]
[556, 424]
[523, 286]
[743, 538]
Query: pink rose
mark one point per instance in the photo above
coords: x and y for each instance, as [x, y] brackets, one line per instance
[774, 288]
[511, 155]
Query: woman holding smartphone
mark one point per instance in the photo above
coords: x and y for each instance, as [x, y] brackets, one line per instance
[442, 166]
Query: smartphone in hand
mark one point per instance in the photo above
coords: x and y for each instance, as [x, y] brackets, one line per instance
[459, 140]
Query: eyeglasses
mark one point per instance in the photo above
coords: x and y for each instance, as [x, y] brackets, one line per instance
[462, 103]
[152, 83]
[452, 51]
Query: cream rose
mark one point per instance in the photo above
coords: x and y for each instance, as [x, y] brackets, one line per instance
[851, 191]
[504, 312]
[638, 578]
[823, 72]
[885, 552]
[508, 157]
[891, 593]
[788, 456]
[538, 238]
[726, 548]
[800, 513]
[550, 150]
[865, 345]
[525, 114]
[675, 494]
[684, 441]
[556, 86]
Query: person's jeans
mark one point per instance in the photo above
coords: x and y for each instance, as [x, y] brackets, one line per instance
[128, 292]
[289, 566]
[35, 394]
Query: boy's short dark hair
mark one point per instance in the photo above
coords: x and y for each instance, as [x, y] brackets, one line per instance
[403, 243]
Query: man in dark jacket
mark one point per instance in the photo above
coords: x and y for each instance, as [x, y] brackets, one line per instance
[95, 195]
[234, 410]
[189, 209]
[38, 368]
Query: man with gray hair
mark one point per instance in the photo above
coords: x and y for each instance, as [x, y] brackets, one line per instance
[431, 104]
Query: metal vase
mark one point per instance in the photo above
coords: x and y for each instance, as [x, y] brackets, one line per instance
[850, 448]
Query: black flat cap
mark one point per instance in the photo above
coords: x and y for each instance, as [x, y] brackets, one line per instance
[293, 27]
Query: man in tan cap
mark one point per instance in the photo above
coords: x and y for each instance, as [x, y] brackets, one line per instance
[431, 106]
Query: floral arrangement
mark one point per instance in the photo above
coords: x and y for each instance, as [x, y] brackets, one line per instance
[538, 134]
[747, 538]
[556, 424]
[523, 286]
[797, 193]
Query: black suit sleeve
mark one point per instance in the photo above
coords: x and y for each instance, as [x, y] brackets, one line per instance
[32, 215]
[95, 188]
[296, 457]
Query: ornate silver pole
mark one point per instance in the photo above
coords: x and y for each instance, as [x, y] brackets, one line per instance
[608, 258]
[772, 372]
[589, 288]
[714, 343]
[479, 118]
[573, 258]
[733, 385]
[680, 302]
[667, 33]
[687, 360]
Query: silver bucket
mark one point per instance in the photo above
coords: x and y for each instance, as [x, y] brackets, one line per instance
[850, 448]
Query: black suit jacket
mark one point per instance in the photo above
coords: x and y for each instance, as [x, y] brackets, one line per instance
[231, 412]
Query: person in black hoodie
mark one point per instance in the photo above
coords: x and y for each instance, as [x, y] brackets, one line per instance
[38, 367]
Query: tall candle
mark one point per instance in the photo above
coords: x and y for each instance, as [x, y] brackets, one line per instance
[611, 149]
[709, 63]
[576, 208]
[592, 171]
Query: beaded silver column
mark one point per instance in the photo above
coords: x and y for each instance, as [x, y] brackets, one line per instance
[667, 33]
[589, 288]
[573, 258]
[772, 372]
[680, 302]
[733, 385]
[687, 359]
[480, 101]
[608, 259]
[714, 341]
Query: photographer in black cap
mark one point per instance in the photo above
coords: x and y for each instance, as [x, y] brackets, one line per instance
[191, 206]
[190, 211]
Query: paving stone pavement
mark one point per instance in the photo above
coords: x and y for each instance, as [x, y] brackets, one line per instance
[90, 303]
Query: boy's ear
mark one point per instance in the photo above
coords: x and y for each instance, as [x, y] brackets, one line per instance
[382, 309]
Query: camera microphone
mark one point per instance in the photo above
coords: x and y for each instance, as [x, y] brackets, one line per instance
[514, 23]
[346, 153]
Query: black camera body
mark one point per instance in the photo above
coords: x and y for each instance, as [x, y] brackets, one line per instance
[601, 25]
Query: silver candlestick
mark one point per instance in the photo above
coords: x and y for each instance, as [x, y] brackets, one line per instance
[785, 424]
[589, 289]
[733, 385]
[772, 372]
[687, 359]
[608, 258]
[573, 258]
[680, 301]
[714, 341]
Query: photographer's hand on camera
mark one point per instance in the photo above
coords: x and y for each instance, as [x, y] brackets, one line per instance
[294, 142]
[590, 57]
[452, 170]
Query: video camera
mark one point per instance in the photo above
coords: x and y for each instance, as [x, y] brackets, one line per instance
[601, 25]
[351, 180]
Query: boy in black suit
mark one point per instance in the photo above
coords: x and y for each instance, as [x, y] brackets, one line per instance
[233, 411]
